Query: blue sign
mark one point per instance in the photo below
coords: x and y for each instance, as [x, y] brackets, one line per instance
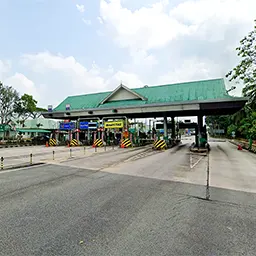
[67, 106]
[67, 126]
[161, 131]
[83, 125]
[49, 108]
[88, 125]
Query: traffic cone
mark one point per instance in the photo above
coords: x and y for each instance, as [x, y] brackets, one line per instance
[239, 147]
[47, 144]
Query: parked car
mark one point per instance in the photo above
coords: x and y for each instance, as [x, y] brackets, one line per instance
[40, 139]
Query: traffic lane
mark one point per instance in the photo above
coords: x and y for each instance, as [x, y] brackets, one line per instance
[231, 168]
[172, 164]
[122, 215]
[42, 174]
[106, 159]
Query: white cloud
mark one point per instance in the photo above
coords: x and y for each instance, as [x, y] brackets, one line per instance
[87, 22]
[23, 85]
[145, 28]
[80, 8]
[5, 67]
[65, 76]
[154, 27]
[100, 20]
[192, 39]
[195, 70]
[130, 80]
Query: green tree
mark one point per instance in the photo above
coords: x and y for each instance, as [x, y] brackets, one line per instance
[245, 71]
[27, 107]
[247, 126]
[218, 122]
[8, 99]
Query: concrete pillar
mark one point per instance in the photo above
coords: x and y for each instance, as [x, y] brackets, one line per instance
[200, 128]
[173, 128]
[165, 129]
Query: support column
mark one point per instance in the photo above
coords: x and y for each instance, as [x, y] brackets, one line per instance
[200, 128]
[165, 129]
[173, 128]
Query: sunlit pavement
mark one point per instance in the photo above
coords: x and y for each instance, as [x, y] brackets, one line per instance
[132, 202]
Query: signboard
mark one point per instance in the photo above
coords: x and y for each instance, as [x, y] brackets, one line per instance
[219, 131]
[113, 124]
[88, 125]
[84, 125]
[67, 106]
[49, 108]
[67, 126]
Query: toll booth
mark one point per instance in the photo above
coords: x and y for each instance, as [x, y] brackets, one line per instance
[113, 131]
[88, 132]
[67, 131]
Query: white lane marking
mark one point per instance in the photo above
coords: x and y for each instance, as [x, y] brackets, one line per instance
[193, 165]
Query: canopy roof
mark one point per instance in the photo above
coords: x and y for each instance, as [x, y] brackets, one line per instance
[196, 92]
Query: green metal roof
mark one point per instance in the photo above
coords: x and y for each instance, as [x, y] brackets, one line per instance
[204, 90]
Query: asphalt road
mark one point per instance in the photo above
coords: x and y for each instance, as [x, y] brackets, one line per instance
[65, 210]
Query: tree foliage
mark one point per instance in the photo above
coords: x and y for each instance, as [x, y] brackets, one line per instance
[8, 99]
[245, 71]
[14, 107]
[218, 122]
[25, 106]
[243, 123]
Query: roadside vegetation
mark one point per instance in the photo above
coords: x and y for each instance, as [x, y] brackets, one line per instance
[243, 123]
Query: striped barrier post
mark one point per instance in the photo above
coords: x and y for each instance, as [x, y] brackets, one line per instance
[97, 143]
[52, 142]
[126, 143]
[74, 143]
[160, 144]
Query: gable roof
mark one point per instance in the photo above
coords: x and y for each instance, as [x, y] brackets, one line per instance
[203, 91]
[130, 94]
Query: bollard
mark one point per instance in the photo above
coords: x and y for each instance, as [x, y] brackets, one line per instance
[31, 158]
[53, 152]
[70, 152]
[2, 163]
[84, 150]
[95, 148]
[208, 178]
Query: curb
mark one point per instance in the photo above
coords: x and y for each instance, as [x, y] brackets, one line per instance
[253, 150]
[11, 167]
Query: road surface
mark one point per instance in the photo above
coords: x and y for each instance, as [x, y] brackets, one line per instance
[131, 203]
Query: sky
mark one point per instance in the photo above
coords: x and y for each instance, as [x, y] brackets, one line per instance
[56, 48]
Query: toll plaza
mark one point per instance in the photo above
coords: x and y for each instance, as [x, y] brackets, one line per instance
[110, 117]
